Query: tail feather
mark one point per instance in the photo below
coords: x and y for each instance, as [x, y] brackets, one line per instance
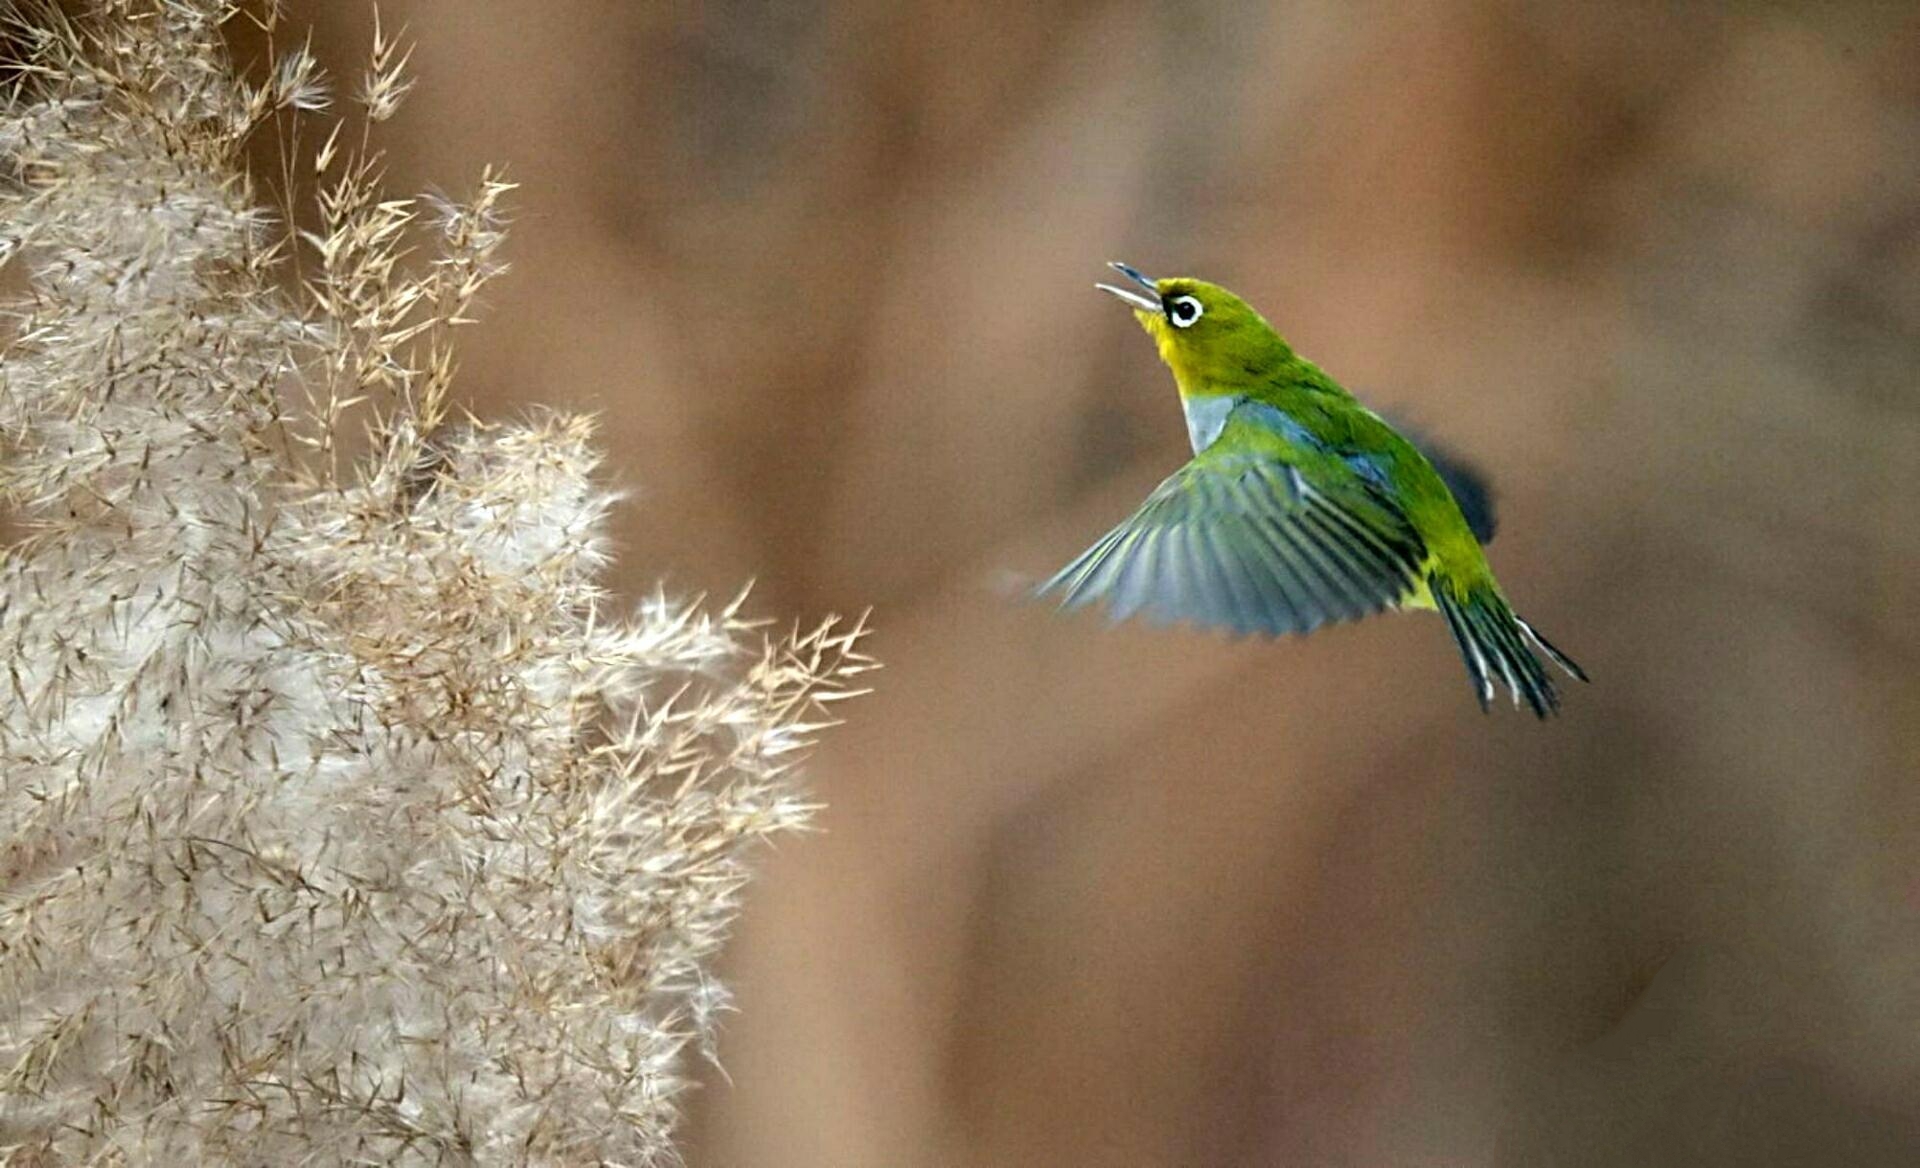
[1561, 659]
[1494, 643]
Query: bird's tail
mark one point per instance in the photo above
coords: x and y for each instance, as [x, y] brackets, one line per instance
[1498, 646]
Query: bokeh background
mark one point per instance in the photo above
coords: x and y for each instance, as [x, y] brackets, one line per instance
[1133, 897]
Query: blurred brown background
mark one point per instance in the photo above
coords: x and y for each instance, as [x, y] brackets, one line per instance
[1135, 897]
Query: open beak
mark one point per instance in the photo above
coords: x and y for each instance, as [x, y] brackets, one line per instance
[1147, 303]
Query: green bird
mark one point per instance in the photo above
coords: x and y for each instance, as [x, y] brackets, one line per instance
[1300, 506]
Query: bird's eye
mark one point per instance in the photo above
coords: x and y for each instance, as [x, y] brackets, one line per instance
[1184, 310]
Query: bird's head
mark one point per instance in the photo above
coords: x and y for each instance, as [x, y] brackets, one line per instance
[1211, 339]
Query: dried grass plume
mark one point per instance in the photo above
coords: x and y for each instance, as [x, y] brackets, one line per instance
[343, 818]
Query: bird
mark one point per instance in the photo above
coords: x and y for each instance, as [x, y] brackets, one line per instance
[1300, 507]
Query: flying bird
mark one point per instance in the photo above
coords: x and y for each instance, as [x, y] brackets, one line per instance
[1300, 506]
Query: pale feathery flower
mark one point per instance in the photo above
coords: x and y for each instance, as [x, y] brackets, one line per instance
[344, 817]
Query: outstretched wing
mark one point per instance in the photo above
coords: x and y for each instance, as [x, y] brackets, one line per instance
[1249, 537]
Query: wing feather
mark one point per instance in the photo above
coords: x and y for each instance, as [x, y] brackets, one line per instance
[1241, 538]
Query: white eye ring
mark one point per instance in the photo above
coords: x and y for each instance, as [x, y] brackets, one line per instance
[1184, 310]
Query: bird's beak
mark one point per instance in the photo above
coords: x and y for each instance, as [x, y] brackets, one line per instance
[1148, 303]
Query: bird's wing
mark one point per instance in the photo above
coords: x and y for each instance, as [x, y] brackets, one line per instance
[1467, 482]
[1252, 536]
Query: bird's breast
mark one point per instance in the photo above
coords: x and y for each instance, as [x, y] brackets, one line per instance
[1207, 416]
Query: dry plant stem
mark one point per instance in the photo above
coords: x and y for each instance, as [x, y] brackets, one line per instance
[342, 820]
